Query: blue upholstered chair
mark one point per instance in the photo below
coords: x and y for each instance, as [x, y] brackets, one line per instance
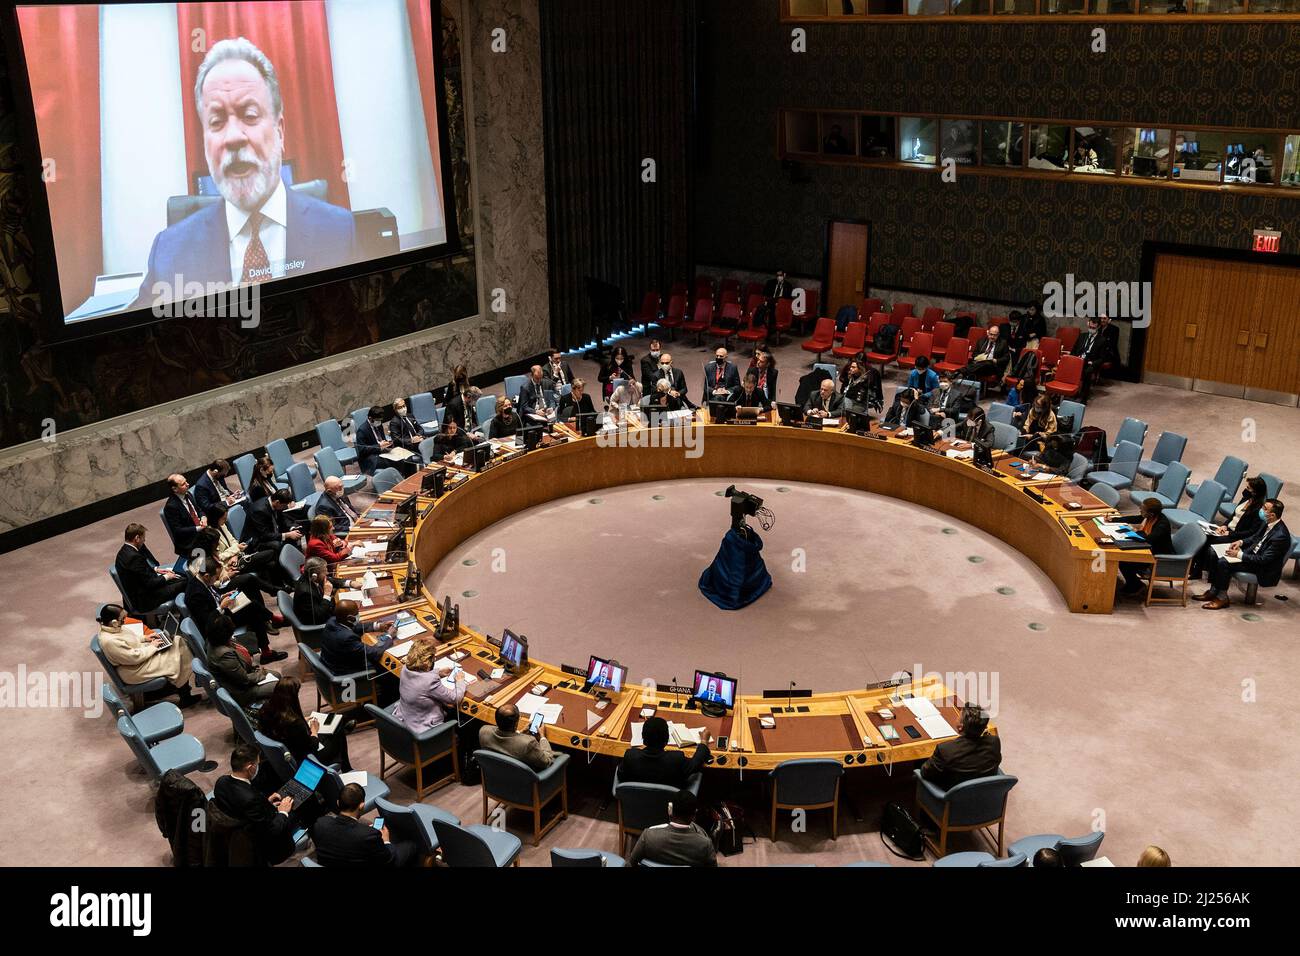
[1175, 569]
[1074, 851]
[243, 727]
[1122, 469]
[425, 410]
[330, 435]
[585, 858]
[134, 692]
[385, 480]
[331, 466]
[183, 752]
[235, 518]
[308, 634]
[244, 466]
[1005, 436]
[514, 385]
[1078, 467]
[1232, 471]
[828, 368]
[973, 858]
[476, 845]
[301, 482]
[407, 748]
[359, 417]
[158, 722]
[291, 561]
[810, 784]
[282, 458]
[1134, 430]
[484, 409]
[973, 805]
[1272, 489]
[415, 822]
[426, 449]
[515, 785]
[1073, 411]
[1169, 489]
[1169, 449]
[1002, 412]
[643, 805]
[342, 692]
[1203, 506]
[868, 864]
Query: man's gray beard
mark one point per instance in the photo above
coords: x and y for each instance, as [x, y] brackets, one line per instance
[260, 187]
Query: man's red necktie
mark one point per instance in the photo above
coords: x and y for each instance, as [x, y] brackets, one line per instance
[256, 264]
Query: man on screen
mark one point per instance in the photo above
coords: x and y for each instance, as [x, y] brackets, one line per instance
[261, 230]
[712, 691]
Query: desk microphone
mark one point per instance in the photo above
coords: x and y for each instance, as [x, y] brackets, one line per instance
[789, 701]
[677, 696]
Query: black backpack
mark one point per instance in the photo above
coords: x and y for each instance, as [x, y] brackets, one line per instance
[904, 833]
[883, 343]
[726, 824]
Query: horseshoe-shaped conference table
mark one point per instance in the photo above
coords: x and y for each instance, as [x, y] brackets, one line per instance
[1047, 520]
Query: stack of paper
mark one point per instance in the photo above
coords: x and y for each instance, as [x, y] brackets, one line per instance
[409, 629]
[1222, 551]
[684, 736]
[350, 595]
[369, 581]
[398, 454]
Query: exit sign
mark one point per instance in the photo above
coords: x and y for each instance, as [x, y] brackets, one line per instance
[1267, 240]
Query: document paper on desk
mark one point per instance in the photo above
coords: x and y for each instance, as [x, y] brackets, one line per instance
[935, 727]
[399, 454]
[684, 736]
[636, 733]
[533, 704]
[409, 629]
[921, 707]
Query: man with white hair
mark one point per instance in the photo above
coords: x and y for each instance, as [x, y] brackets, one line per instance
[336, 505]
[260, 229]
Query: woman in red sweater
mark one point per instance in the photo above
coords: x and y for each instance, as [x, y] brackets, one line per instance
[323, 543]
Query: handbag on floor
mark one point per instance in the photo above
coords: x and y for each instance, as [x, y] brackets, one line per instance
[903, 832]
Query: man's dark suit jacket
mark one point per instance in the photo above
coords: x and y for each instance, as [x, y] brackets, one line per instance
[1091, 351]
[327, 506]
[264, 527]
[406, 432]
[271, 830]
[310, 604]
[757, 399]
[1268, 563]
[649, 372]
[769, 290]
[959, 759]
[956, 401]
[677, 382]
[730, 378]
[458, 411]
[197, 248]
[180, 524]
[367, 445]
[549, 380]
[1160, 540]
[833, 407]
[999, 354]
[531, 396]
[208, 493]
[570, 407]
[135, 569]
[343, 651]
[669, 767]
[342, 841]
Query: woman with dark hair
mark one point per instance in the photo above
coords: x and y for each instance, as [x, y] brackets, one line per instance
[243, 569]
[976, 427]
[619, 366]
[263, 484]
[139, 654]
[451, 440]
[281, 718]
[323, 543]
[860, 383]
[1041, 420]
[231, 663]
[1244, 522]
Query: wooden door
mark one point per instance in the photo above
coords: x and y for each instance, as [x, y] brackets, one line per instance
[847, 249]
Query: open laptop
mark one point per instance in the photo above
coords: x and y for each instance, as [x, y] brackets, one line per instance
[304, 782]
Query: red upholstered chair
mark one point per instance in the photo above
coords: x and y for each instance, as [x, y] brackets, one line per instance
[1069, 377]
[1011, 381]
[884, 358]
[753, 304]
[997, 320]
[1069, 336]
[676, 313]
[703, 287]
[870, 307]
[649, 310]
[901, 311]
[812, 308]
[731, 285]
[855, 341]
[679, 288]
[956, 358]
[751, 332]
[921, 345]
[1049, 353]
[753, 289]
[728, 324]
[910, 326]
[701, 319]
[975, 335]
[943, 332]
[729, 296]
[931, 317]
[823, 338]
[785, 318]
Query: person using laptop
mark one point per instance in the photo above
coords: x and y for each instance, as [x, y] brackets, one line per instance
[268, 820]
[145, 656]
[505, 738]
[148, 585]
[749, 395]
[971, 754]
[342, 839]
[653, 763]
[680, 841]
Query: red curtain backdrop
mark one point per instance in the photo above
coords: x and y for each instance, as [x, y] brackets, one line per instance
[420, 14]
[295, 37]
[61, 45]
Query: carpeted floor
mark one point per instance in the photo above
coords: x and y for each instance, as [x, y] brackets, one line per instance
[1164, 725]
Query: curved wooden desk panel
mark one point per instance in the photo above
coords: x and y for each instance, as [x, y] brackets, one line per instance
[736, 452]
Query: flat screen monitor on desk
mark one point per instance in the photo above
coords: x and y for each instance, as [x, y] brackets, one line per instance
[434, 483]
[514, 650]
[721, 412]
[715, 691]
[529, 437]
[790, 414]
[477, 457]
[605, 674]
[396, 546]
[405, 512]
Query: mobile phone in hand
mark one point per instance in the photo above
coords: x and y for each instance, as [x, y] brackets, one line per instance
[379, 823]
[535, 725]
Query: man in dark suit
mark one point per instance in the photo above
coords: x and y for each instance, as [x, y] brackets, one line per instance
[650, 366]
[952, 399]
[536, 401]
[971, 755]
[343, 840]
[211, 488]
[721, 377]
[749, 395]
[825, 402]
[336, 505]
[652, 763]
[675, 377]
[206, 592]
[1263, 554]
[343, 651]
[372, 440]
[1155, 528]
[989, 357]
[182, 516]
[147, 585]
[556, 372]
[1091, 347]
[311, 602]
[404, 430]
[260, 229]
[462, 408]
[265, 527]
[269, 820]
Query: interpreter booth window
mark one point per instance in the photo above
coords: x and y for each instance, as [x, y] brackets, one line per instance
[1251, 159]
[959, 140]
[1112, 7]
[917, 139]
[1002, 143]
[1061, 6]
[887, 7]
[927, 8]
[1275, 6]
[828, 8]
[839, 134]
[1094, 150]
[1144, 153]
[1049, 147]
[802, 133]
[1198, 156]
[1291, 161]
[1019, 8]
[1196, 6]
[876, 141]
[967, 8]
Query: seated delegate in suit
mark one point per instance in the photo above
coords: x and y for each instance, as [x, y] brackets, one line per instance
[664, 397]
[556, 371]
[211, 488]
[265, 526]
[343, 840]
[577, 402]
[1263, 554]
[860, 386]
[989, 358]
[1244, 522]
[650, 365]
[620, 365]
[253, 571]
[720, 376]
[505, 422]
[281, 718]
[261, 229]
[141, 659]
[270, 821]
[182, 516]
[976, 428]
[424, 698]
[344, 652]
[147, 584]
[404, 430]
[505, 738]
[336, 505]
[971, 755]
[951, 400]
[263, 484]
[323, 543]
[372, 440]
[906, 412]
[461, 402]
[1155, 528]
[675, 378]
[652, 763]
[450, 441]
[764, 366]
[1091, 347]
[922, 379]
[679, 842]
[825, 403]
[536, 401]
[312, 602]
[210, 589]
[749, 395]
[232, 665]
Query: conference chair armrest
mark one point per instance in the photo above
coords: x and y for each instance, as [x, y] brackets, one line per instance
[445, 729]
[357, 676]
[930, 789]
[557, 767]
